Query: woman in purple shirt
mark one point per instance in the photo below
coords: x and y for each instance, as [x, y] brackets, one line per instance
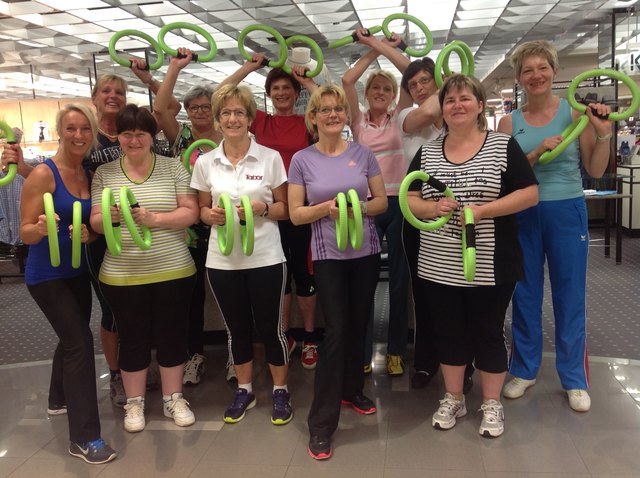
[346, 280]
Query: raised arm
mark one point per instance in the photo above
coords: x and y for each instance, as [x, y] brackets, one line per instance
[595, 141]
[138, 68]
[248, 67]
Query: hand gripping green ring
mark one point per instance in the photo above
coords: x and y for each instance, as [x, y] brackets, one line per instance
[569, 135]
[616, 75]
[213, 48]
[355, 223]
[353, 37]
[135, 33]
[13, 168]
[112, 232]
[127, 201]
[404, 205]
[186, 155]
[341, 222]
[403, 46]
[469, 245]
[442, 62]
[316, 51]
[52, 229]
[225, 231]
[247, 226]
[265, 28]
[76, 235]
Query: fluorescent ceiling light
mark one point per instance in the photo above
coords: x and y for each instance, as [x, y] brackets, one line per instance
[438, 12]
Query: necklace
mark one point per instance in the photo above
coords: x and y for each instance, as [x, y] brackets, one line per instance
[112, 137]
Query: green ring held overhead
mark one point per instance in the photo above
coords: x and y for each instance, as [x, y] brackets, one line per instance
[12, 170]
[247, 233]
[614, 74]
[569, 135]
[186, 155]
[355, 223]
[213, 48]
[352, 38]
[76, 235]
[225, 231]
[112, 234]
[276, 34]
[404, 204]
[126, 199]
[52, 229]
[442, 62]
[341, 223]
[410, 18]
[317, 51]
[468, 247]
[135, 33]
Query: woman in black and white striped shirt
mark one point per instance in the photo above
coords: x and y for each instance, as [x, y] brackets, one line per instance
[488, 173]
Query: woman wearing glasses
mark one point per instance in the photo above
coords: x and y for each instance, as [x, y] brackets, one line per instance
[347, 279]
[197, 103]
[248, 288]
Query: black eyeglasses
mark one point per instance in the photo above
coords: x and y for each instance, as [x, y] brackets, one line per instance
[204, 108]
[424, 81]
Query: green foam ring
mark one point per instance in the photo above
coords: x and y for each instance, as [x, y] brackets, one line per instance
[127, 198]
[225, 231]
[76, 235]
[135, 33]
[432, 225]
[276, 34]
[52, 229]
[213, 48]
[341, 223]
[442, 62]
[317, 51]
[468, 246]
[353, 37]
[112, 234]
[355, 223]
[247, 232]
[410, 18]
[186, 155]
[569, 135]
[12, 169]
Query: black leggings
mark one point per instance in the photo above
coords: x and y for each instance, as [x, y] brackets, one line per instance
[295, 244]
[346, 289]
[67, 305]
[248, 298]
[151, 314]
[95, 255]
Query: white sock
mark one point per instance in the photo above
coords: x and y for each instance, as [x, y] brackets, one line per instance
[136, 399]
[246, 386]
[168, 398]
[280, 387]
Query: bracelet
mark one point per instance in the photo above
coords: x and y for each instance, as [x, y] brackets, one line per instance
[265, 213]
[606, 137]
[363, 207]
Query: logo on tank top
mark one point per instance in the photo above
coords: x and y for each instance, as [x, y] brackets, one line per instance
[520, 131]
[351, 163]
[253, 177]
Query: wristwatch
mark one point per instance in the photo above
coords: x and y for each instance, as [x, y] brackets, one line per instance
[265, 213]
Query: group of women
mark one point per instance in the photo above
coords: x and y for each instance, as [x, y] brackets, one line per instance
[460, 320]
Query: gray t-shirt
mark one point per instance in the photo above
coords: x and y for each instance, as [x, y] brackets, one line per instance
[411, 143]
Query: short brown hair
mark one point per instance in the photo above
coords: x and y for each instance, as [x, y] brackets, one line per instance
[280, 74]
[460, 82]
[134, 117]
[241, 93]
[535, 47]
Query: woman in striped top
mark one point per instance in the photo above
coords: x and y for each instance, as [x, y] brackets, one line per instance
[149, 291]
[488, 173]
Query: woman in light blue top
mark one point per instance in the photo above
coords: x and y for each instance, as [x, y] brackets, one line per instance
[556, 229]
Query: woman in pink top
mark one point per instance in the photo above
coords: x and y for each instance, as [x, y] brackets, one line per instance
[378, 128]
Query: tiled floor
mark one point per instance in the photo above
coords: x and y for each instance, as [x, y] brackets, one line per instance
[543, 437]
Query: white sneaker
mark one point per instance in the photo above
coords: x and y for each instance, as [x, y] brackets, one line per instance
[178, 409]
[579, 400]
[193, 370]
[449, 410]
[134, 415]
[492, 424]
[516, 387]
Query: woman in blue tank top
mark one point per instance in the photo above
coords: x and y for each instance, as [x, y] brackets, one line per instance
[556, 229]
[63, 293]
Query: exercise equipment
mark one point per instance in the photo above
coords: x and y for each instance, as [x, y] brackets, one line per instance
[135, 33]
[213, 48]
[404, 205]
[127, 202]
[186, 155]
[12, 169]
[317, 51]
[468, 245]
[278, 37]
[442, 62]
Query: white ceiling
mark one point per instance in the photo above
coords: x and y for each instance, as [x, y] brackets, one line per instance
[48, 48]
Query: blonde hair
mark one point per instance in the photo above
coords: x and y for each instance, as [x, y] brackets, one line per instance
[387, 76]
[534, 48]
[108, 78]
[316, 99]
[82, 109]
[227, 92]
[460, 82]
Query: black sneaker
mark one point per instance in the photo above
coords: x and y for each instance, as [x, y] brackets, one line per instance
[56, 409]
[242, 401]
[361, 404]
[94, 452]
[282, 412]
[320, 447]
[421, 379]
